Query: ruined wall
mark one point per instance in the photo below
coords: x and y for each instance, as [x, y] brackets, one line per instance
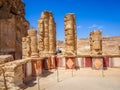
[12, 75]
[70, 34]
[96, 42]
[13, 26]
[6, 58]
[47, 34]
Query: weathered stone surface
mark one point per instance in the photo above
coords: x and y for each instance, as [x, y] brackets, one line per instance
[30, 45]
[96, 42]
[119, 49]
[5, 58]
[26, 49]
[11, 74]
[70, 34]
[47, 34]
[13, 25]
[2, 80]
[33, 42]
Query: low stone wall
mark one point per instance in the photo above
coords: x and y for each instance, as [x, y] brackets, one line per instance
[2, 80]
[15, 73]
[12, 75]
[6, 58]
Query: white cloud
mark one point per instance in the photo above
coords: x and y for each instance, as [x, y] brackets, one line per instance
[100, 27]
[79, 26]
[95, 26]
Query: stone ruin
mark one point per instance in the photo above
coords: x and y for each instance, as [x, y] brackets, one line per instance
[12, 74]
[47, 34]
[29, 45]
[20, 41]
[70, 35]
[45, 44]
[96, 42]
[13, 26]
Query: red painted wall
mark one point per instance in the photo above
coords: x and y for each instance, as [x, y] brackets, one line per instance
[106, 61]
[88, 62]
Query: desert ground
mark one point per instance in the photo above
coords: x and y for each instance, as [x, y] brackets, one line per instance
[81, 79]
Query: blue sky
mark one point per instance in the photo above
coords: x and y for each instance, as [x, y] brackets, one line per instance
[90, 15]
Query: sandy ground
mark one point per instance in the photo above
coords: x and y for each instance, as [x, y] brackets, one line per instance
[82, 79]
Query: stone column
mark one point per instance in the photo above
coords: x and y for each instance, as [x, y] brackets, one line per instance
[52, 35]
[47, 34]
[41, 36]
[33, 37]
[70, 34]
[96, 42]
[26, 49]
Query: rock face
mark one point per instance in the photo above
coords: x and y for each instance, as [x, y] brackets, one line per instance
[110, 46]
[13, 26]
[96, 42]
[119, 49]
[83, 46]
[70, 34]
[47, 34]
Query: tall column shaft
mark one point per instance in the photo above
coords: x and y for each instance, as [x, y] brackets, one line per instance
[41, 36]
[33, 37]
[96, 42]
[52, 36]
[70, 34]
[26, 49]
[47, 34]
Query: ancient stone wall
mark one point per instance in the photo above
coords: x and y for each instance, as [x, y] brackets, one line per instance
[3, 60]
[96, 42]
[14, 74]
[6, 58]
[70, 34]
[13, 25]
[47, 34]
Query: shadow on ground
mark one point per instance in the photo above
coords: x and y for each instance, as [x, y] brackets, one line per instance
[46, 73]
[33, 82]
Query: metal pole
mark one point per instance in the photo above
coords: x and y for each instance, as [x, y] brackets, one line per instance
[103, 70]
[57, 75]
[38, 77]
[72, 71]
[38, 84]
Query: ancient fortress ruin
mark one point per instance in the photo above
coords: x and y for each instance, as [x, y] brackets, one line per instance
[32, 51]
[13, 26]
